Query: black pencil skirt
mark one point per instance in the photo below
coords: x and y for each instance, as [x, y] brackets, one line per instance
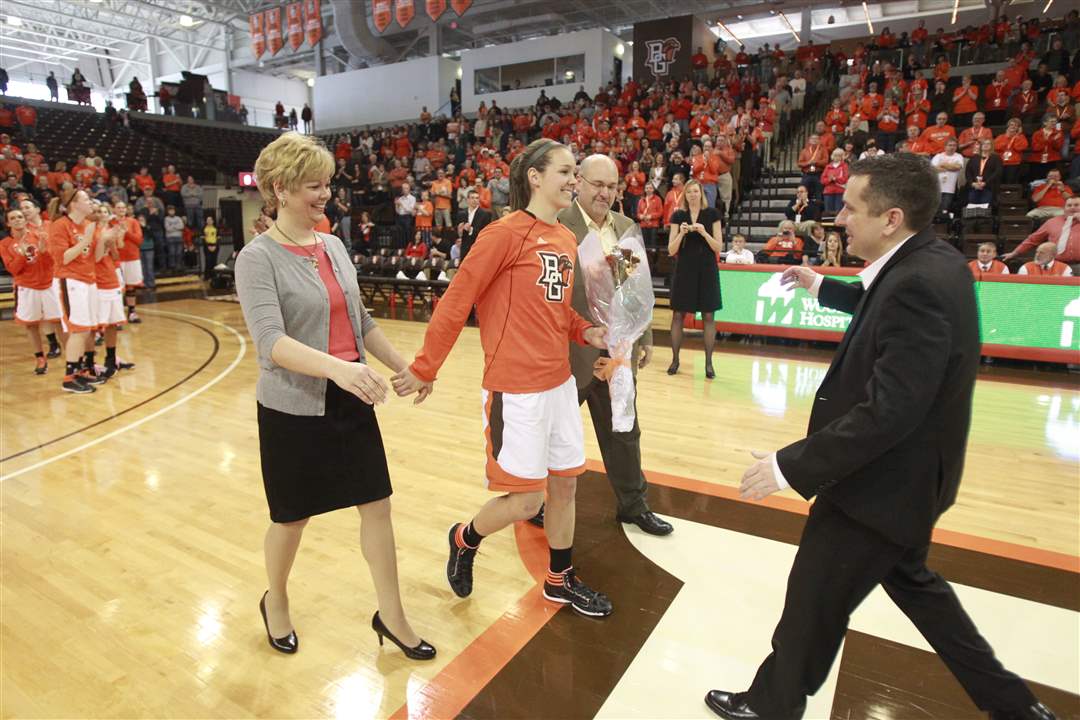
[314, 464]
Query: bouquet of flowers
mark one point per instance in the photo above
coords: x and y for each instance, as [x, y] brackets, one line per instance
[618, 286]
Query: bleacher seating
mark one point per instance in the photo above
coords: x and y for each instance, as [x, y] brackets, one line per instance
[228, 149]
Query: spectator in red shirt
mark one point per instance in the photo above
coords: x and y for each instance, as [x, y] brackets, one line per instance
[700, 63]
[1046, 145]
[27, 117]
[674, 197]
[972, 136]
[1049, 197]
[937, 134]
[834, 181]
[1063, 231]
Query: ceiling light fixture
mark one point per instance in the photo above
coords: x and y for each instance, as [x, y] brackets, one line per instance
[311, 82]
[1048, 4]
[956, 9]
[14, 21]
[791, 27]
[866, 12]
[186, 21]
[728, 31]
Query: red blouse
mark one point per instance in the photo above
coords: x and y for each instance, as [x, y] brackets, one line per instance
[342, 341]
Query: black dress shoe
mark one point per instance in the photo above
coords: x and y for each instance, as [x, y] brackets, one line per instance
[538, 518]
[423, 651]
[649, 522]
[1038, 711]
[733, 706]
[288, 644]
[709, 372]
[673, 368]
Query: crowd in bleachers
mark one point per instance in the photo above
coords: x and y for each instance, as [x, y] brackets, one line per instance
[394, 185]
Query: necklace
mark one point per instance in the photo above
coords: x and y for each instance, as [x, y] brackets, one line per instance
[313, 257]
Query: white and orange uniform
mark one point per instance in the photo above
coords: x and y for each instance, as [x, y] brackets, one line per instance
[110, 291]
[520, 276]
[36, 297]
[78, 288]
[130, 267]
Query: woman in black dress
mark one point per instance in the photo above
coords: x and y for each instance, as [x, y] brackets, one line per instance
[694, 240]
[319, 439]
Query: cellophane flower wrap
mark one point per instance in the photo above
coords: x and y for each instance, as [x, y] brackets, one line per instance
[618, 286]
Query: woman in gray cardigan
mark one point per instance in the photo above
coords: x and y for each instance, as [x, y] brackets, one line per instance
[319, 441]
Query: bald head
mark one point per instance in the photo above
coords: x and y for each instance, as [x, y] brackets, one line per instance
[598, 164]
[598, 182]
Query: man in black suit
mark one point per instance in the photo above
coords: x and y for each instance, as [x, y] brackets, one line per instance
[476, 219]
[884, 452]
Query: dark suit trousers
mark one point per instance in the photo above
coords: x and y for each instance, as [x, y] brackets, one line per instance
[838, 563]
[621, 451]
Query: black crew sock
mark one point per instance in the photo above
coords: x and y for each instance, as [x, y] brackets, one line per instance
[71, 368]
[39, 354]
[560, 560]
[53, 343]
[88, 361]
[110, 356]
[469, 537]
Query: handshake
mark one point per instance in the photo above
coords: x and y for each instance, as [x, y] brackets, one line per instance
[405, 384]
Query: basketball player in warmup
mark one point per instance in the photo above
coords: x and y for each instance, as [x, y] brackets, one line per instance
[25, 255]
[130, 265]
[519, 274]
[73, 245]
[110, 288]
[32, 212]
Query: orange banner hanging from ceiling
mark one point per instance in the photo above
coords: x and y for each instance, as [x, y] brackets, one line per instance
[274, 40]
[294, 25]
[404, 10]
[460, 6]
[258, 36]
[435, 9]
[313, 21]
[380, 14]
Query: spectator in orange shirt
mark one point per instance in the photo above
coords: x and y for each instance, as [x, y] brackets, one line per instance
[836, 119]
[425, 211]
[965, 101]
[674, 197]
[144, 179]
[442, 191]
[1049, 196]
[1011, 146]
[812, 160]
[650, 213]
[834, 179]
[171, 183]
[972, 136]
[8, 164]
[635, 188]
[59, 176]
[785, 247]
[941, 70]
[916, 144]
[936, 135]
[996, 98]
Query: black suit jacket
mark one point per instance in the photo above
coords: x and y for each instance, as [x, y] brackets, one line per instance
[991, 173]
[480, 221]
[889, 425]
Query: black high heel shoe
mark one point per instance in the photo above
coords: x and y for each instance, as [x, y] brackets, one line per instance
[288, 644]
[423, 651]
[673, 367]
[709, 372]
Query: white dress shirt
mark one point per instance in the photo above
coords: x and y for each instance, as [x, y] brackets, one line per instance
[867, 276]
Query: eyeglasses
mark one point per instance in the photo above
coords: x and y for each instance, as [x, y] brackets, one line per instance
[601, 186]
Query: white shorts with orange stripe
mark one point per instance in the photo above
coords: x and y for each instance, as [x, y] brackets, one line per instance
[110, 307]
[131, 273]
[532, 436]
[80, 305]
[37, 306]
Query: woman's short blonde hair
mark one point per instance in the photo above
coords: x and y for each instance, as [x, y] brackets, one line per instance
[290, 161]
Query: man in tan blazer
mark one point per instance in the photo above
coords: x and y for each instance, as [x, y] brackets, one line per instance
[597, 181]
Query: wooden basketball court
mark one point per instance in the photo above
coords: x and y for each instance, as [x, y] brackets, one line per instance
[132, 524]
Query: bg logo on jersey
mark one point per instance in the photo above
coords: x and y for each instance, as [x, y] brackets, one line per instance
[554, 275]
[660, 54]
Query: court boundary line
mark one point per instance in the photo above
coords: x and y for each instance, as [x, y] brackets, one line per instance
[241, 352]
[136, 406]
